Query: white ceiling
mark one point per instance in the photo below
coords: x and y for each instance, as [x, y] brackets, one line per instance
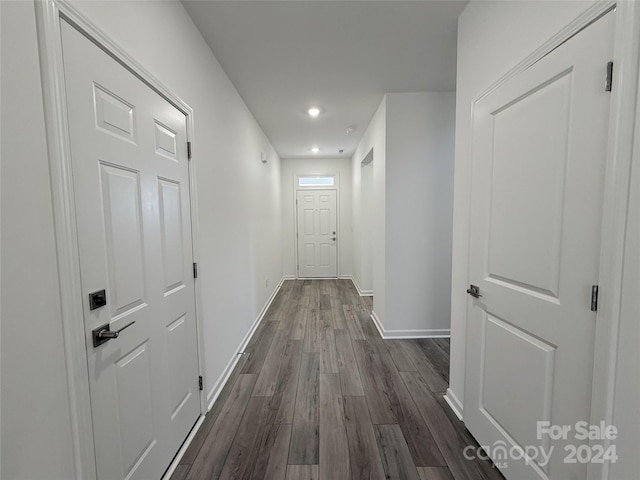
[285, 56]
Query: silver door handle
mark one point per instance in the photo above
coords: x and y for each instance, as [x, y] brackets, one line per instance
[103, 333]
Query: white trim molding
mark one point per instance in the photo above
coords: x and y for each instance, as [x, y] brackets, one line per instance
[49, 44]
[362, 293]
[377, 323]
[49, 13]
[454, 403]
[408, 334]
[624, 110]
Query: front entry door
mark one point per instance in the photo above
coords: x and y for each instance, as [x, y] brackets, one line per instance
[539, 150]
[317, 233]
[131, 185]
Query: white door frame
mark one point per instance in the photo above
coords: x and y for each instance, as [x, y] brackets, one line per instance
[296, 188]
[48, 15]
[616, 193]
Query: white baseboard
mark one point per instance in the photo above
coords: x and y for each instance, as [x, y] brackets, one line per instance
[408, 334]
[422, 333]
[362, 293]
[287, 277]
[226, 373]
[213, 394]
[377, 323]
[454, 403]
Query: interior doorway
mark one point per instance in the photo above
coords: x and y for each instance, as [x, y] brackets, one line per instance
[365, 282]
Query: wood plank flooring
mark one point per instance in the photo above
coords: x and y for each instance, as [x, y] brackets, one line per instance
[319, 395]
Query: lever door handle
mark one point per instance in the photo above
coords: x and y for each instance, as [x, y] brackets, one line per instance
[104, 333]
[474, 291]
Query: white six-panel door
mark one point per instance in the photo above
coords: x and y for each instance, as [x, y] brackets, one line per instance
[539, 150]
[317, 233]
[131, 185]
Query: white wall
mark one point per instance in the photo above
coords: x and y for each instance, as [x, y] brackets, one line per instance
[411, 135]
[35, 430]
[316, 166]
[419, 204]
[367, 217]
[374, 138]
[493, 36]
[239, 204]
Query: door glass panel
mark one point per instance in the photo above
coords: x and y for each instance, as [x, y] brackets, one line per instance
[316, 181]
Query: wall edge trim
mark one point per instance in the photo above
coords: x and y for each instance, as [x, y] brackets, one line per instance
[409, 334]
[454, 403]
[362, 293]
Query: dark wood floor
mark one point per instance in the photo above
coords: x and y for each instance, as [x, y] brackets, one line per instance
[319, 395]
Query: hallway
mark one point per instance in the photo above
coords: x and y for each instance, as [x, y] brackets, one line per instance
[319, 395]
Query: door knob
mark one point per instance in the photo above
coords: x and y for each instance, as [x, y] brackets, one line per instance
[474, 291]
[333, 238]
[103, 333]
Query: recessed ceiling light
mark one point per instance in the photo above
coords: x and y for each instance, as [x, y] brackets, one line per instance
[315, 149]
[313, 112]
[350, 129]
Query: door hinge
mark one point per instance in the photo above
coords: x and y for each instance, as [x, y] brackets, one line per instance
[608, 84]
[200, 383]
[189, 150]
[195, 270]
[594, 298]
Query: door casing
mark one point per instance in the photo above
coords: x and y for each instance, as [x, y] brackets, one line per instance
[297, 188]
[48, 15]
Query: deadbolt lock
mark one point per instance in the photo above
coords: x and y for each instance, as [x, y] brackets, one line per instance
[97, 299]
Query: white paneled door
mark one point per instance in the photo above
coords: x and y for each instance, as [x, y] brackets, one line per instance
[131, 184]
[539, 149]
[317, 233]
